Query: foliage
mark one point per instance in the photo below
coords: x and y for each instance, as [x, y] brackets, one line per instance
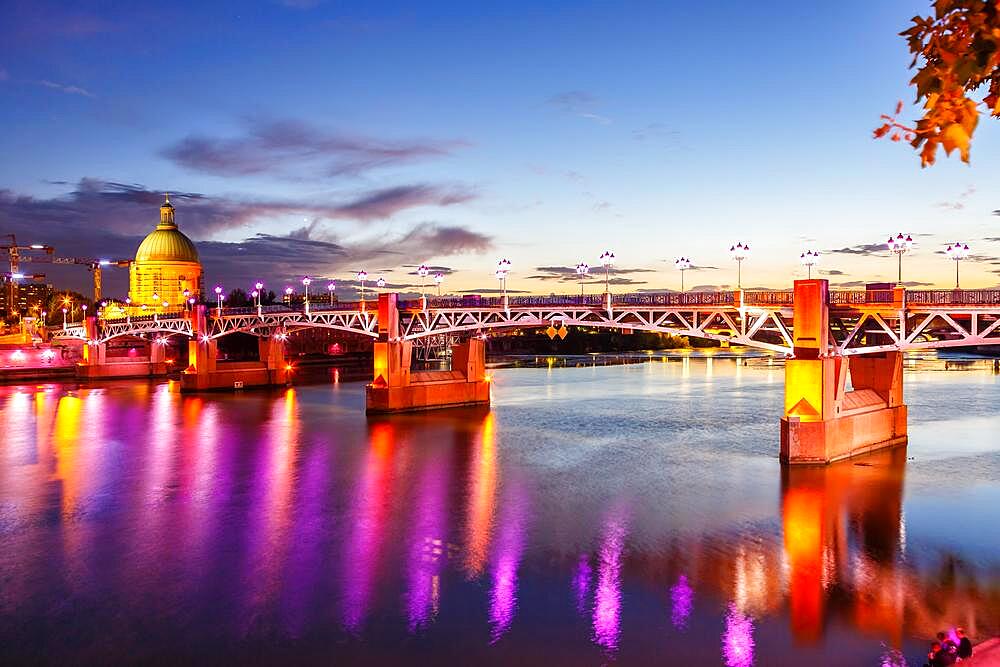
[956, 54]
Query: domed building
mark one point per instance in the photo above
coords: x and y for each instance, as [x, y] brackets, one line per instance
[166, 265]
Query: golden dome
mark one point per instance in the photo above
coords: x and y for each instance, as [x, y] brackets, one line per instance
[166, 243]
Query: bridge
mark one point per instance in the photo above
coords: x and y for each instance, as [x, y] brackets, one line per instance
[843, 349]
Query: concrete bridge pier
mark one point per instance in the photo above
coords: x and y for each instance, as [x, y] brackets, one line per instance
[97, 365]
[395, 388]
[824, 422]
[206, 372]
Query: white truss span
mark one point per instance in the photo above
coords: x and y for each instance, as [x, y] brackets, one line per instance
[860, 322]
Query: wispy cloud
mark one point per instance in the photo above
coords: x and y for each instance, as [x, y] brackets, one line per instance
[579, 103]
[959, 203]
[568, 274]
[69, 90]
[294, 149]
[866, 249]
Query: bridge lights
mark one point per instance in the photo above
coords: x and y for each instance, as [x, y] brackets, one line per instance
[500, 276]
[218, 296]
[288, 295]
[809, 259]
[607, 261]
[330, 287]
[739, 252]
[682, 264]
[900, 245]
[583, 271]
[380, 283]
[958, 252]
[438, 278]
[362, 276]
[64, 319]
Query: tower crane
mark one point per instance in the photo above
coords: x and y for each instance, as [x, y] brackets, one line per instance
[14, 254]
[96, 266]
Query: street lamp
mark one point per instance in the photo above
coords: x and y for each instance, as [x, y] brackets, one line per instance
[218, 297]
[500, 276]
[422, 272]
[739, 252]
[288, 295]
[187, 299]
[900, 245]
[503, 268]
[305, 283]
[682, 263]
[607, 261]
[582, 270]
[362, 276]
[84, 308]
[958, 252]
[809, 259]
[64, 319]
[380, 283]
[330, 287]
[438, 278]
[259, 287]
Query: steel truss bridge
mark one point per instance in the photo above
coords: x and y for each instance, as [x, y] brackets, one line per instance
[861, 322]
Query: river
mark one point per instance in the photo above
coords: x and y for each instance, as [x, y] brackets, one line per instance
[634, 514]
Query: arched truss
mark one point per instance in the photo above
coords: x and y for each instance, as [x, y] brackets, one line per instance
[166, 326]
[764, 328]
[362, 322]
[916, 328]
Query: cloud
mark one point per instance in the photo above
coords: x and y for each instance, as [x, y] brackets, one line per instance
[831, 272]
[866, 249]
[996, 212]
[432, 269]
[578, 103]
[101, 219]
[568, 274]
[959, 203]
[69, 90]
[656, 131]
[491, 290]
[294, 149]
[386, 202]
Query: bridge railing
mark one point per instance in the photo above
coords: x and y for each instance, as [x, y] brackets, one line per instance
[941, 297]
[860, 297]
[169, 313]
[674, 299]
[768, 298]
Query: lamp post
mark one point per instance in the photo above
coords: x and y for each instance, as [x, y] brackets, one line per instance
[218, 299]
[128, 310]
[683, 264]
[809, 259]
[64, 319]
[380, 283]
[330, 287]
[503, 268]
[259, 286]
[500, 275]
[900, 245]
[739, 252]
[582, 270]
[958, 252]
[305, 283]
[422, 271]
[288, 295]
[362, 276]
[438, 278]
[607, 261]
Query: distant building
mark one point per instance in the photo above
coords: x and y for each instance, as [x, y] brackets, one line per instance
[30, 298]
[166, 264]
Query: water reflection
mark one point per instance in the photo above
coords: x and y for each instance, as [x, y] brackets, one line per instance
[282, 519]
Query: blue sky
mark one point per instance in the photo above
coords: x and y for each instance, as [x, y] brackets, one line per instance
[326, 137]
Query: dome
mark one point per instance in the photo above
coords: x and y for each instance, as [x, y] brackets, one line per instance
[166, 245]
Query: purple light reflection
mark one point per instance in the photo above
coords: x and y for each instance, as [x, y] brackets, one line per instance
[581, 582]
[737, 640]
[503, 596]
[682, 599]
[608, 594]
[427, 547]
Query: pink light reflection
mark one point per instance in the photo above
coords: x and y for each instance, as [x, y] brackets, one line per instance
[608, 594]
[682, 599]
[737, 640]
[427, 546]
[503, 596]
[581, 583]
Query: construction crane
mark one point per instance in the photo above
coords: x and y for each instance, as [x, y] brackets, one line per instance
[15, 256]
[96, 266]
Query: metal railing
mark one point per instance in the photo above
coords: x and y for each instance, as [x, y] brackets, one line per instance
[674, 299]
[978, 297]
[768, 298]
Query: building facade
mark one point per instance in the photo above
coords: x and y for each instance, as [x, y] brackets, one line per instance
[166, 266]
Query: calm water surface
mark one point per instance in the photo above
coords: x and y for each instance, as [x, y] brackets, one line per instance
[632, 514]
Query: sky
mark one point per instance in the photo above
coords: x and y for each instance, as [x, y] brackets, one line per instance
[311, 137]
